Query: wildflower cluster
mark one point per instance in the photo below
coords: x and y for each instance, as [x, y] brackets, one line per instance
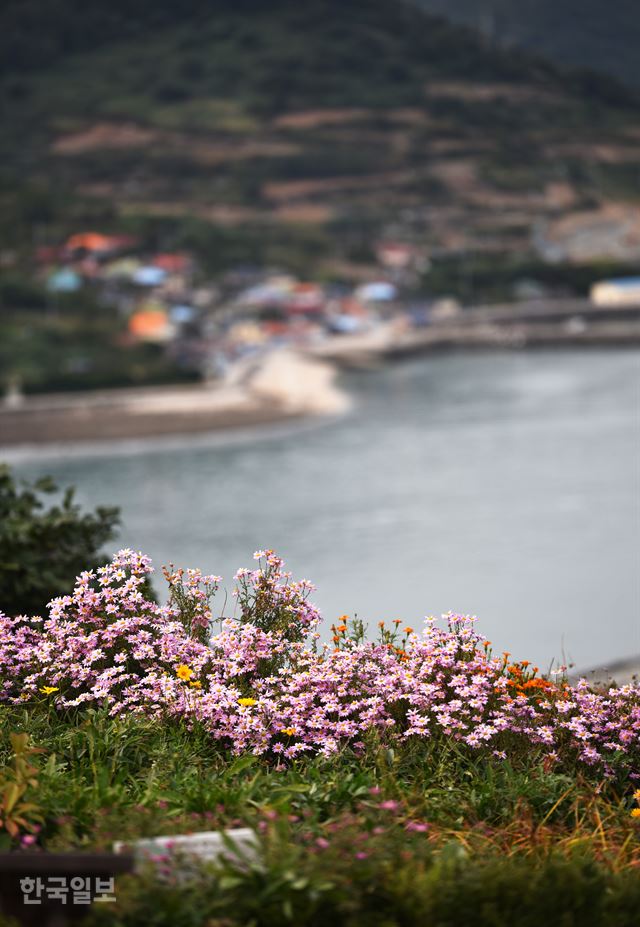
[263, 683]
[269, 599]
[190, 595]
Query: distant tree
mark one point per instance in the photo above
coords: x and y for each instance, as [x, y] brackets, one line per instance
[43, 549]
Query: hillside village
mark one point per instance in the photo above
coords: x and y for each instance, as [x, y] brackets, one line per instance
[202, 326]
[165, 299]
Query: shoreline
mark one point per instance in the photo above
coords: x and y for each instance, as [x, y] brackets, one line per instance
[621, 672]
[284, 385]
[281, 387]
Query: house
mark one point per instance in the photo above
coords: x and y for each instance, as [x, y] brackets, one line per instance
[623, 291]
[97, 245]
[89, 243]
[394, 254]
[397, 256]
[379, 291]
[173, 263]
[151, 324]
[305, 298]
[64, 280]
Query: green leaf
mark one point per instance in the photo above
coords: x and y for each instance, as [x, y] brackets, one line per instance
[242, 763]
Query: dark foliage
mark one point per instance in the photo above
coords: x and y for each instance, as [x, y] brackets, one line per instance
[43, 549]
[591, 34]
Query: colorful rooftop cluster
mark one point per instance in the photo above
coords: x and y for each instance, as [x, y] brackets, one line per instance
[263, 682]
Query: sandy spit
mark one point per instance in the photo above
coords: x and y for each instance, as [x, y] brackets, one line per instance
[277, 387]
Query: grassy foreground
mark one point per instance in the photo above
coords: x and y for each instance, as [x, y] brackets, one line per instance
[416, 780]
[425, 834]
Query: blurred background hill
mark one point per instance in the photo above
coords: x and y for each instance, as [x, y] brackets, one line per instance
[300, 137]
[332, 119]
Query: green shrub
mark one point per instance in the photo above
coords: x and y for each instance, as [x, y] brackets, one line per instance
[43, 549]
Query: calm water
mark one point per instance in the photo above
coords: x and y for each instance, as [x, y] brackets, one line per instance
[501, 485]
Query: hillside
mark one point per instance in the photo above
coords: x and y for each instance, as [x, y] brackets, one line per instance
[590, 34]
[253, 132]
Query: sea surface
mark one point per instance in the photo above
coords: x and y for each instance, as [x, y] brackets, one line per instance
[504, 485]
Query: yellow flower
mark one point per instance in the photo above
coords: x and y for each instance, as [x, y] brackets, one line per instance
[247, 702]
[635, 813]
[183, 672]
[49, 690]
[636, 795]
[289, 731]
[195, 684]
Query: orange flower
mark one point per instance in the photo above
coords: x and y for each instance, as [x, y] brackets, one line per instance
[342, 628]
[408, 630]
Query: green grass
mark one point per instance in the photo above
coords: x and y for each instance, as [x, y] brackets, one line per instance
[492, 842]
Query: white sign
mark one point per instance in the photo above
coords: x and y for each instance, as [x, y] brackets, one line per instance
[237, 846]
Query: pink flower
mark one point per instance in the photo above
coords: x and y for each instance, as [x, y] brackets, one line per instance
[106, 644]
